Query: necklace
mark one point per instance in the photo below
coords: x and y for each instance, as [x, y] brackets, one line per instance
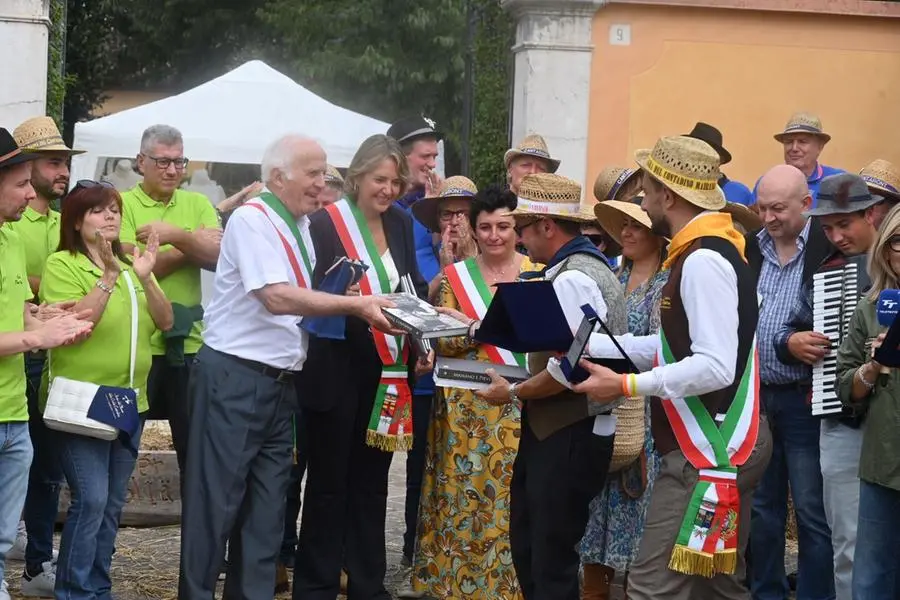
[496, 275]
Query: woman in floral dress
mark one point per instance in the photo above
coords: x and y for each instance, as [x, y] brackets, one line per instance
[614, 530]
[463, 548]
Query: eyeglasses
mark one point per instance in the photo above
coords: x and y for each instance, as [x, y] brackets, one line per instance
[449, 215]
[88, 184]
[894, 243]
[163, 163]
[520, 228]
[596, 238]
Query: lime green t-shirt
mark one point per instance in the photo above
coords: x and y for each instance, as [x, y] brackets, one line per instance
[105, 357]
[40, 235]
[14, 292]
[188, 210]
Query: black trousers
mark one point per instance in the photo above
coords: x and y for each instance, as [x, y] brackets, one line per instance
[345, 502]
[238, 464]
[552, 486]
[167, 394]
[415, 469]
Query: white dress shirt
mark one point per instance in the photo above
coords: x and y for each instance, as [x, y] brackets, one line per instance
[251, 257]
[710, 298]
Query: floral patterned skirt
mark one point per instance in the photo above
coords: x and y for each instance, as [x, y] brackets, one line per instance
[613, 533]
[463, 535]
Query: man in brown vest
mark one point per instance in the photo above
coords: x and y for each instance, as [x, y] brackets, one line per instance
[701, 373]
[566, 442]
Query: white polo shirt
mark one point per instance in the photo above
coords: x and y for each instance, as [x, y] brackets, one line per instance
[252, 256]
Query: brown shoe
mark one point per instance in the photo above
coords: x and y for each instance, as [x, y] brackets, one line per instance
[282, 584]
[597, 579]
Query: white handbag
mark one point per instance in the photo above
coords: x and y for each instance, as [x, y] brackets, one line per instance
[69, 400]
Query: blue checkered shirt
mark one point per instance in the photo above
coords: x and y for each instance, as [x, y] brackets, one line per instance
[780, 288]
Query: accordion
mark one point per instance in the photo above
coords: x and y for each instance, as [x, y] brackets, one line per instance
[837, 289]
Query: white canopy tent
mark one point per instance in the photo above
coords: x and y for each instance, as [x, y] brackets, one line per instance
[230, 119]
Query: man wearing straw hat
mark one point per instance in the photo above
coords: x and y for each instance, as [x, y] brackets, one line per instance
[804, 139]
[702, 376]
[21, 332]
[39, 231]
[566, 442]
[530, 156]
[883, 179]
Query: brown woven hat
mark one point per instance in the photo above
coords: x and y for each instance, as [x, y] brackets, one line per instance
[803, 122]
[743, 216]
[883, 178]
[612, 214]
[687, 166]
[611, 180]
[40, 134]
[333, 177]
[426, 209]
[533, 145]
[549, 195]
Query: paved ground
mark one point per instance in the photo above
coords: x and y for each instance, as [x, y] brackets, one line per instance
[146, 564]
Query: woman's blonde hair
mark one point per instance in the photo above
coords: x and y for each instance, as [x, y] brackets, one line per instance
[370, 154]
[880, 271]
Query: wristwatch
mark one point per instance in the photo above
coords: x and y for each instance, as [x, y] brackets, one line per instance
[514, 395]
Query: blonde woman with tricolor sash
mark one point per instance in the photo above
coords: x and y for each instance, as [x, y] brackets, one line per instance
[355, 392]
[463, 549]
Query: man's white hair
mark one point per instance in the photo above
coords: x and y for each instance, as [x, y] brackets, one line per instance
[165, 135]
[280, 154]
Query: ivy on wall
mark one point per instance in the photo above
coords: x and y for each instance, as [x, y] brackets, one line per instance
[492, 74]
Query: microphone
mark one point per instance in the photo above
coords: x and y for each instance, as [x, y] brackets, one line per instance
[886, 310]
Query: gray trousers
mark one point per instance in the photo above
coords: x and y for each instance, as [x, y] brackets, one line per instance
[238, 468]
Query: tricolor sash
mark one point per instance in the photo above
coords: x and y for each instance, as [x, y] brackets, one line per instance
[707, 541]
[302, 268]
[474, 297]
[390, 425]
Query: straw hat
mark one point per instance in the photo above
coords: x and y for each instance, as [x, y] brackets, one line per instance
[612, 214]
[426, 209]
[549, 195]
[333, 177]
[743, 216]
[803, 122]
[687, 166]
[533, 145]
[40, 134]
[10, 153]
[882, 178]
[611, 180]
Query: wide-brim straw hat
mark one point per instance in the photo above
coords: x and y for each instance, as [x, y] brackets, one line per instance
[883, 178]
[743, 216]
[40, 134]
[333, 177]
[426, 209]
[803, 122]
[687, 166]
[533, 145]
[550, 195]
[611, 180]
[611, 215]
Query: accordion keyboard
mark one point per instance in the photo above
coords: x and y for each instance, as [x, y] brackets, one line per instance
[835, 295]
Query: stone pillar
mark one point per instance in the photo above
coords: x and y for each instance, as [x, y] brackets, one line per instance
[24, 32]
[553, 51]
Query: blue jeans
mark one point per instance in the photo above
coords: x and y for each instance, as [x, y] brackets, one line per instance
[44, 478]
[795, 460]
[876, 562]
[15, 459]
[98, 472]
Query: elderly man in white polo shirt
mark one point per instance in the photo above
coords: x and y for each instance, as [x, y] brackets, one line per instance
[240, 443]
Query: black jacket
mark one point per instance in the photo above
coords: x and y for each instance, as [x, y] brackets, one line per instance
[333, 368]
[818, 250]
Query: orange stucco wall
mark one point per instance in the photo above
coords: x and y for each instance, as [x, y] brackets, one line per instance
[744, 72]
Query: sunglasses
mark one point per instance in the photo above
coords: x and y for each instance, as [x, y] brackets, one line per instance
[89, 184]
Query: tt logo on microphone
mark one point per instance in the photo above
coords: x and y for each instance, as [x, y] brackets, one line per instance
[889, 304]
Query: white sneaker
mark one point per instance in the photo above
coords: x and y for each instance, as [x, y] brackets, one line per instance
[4, 591]
[42, 584]
[17, 552]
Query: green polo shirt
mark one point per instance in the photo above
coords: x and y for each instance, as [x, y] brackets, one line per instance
[40, 234]
[105, 357]
[14, 292]
[188, 210]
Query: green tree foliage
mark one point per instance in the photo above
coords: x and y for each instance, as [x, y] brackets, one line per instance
[56, 78]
